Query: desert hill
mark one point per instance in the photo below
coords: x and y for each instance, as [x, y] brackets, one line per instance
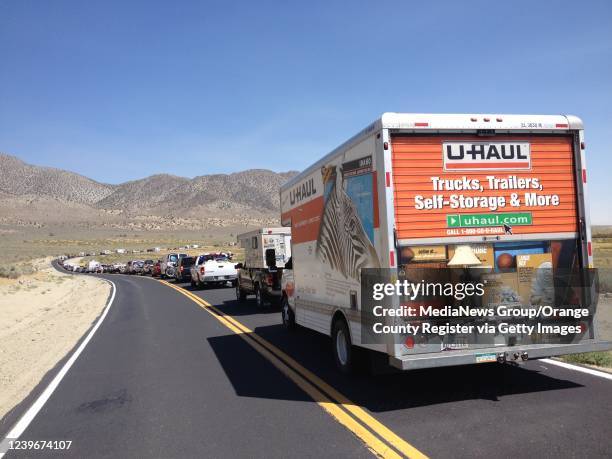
[45, 194]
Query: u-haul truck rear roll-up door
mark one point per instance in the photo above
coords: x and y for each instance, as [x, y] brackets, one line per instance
[457, 186]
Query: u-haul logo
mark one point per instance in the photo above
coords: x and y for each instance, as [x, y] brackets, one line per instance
[471, 156]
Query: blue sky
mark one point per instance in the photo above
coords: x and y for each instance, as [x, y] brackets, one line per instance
[118, 90]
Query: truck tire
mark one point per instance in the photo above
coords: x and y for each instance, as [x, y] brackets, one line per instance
[342, 347]
[240, 294]
[260, 301]
[287, 314]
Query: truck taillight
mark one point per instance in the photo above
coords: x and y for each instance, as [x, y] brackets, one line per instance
[270, 279]
[181, 269]
[590, 248]
[583, 175]
[202, 270]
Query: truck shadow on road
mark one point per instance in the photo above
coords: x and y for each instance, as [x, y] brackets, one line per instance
[246, 307]
[377, 393]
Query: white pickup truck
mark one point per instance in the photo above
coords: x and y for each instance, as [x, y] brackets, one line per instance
[213, 268]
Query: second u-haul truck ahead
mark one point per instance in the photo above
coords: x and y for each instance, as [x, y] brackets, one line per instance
[408, 191]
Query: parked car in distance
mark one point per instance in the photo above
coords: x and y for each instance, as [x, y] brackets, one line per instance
[138, 267]
[213, 269]
[183, 269]
[135, 267]
[146, 268]
[168, 264]
[156, 269]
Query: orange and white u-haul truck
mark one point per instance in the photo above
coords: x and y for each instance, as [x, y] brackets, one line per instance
[408, 190]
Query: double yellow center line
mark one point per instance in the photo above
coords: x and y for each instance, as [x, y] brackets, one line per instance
[378, 438]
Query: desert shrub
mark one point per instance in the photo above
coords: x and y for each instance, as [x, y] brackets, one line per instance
[605, 280]
[600, 359]
[14, 271]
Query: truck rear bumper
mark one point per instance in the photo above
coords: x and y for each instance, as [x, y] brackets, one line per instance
[273, 292]
[219, 278]
[467, 357]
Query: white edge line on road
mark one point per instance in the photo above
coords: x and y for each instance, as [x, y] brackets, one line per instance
[569, 366]
[29, 415]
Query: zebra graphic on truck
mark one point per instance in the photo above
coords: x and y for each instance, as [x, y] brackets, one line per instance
[343, 243]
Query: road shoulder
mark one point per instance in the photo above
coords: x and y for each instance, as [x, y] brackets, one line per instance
[44, 315]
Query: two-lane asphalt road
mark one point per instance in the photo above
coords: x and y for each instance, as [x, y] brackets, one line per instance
[165, 375]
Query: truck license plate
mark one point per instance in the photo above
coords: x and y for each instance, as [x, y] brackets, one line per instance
[455, 343]
[483, 358]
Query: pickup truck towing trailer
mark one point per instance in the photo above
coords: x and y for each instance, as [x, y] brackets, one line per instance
[266, 250]
[408, 191]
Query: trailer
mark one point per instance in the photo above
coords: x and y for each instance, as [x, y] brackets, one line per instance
[266, 252]
[412, 191]
[93, 266]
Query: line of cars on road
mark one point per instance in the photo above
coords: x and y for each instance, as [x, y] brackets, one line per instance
[206, 269]
[92, 267]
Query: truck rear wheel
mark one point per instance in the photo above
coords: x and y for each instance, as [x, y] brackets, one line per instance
[259, 298]
[287, 314]
[342, 347]
[240, 294]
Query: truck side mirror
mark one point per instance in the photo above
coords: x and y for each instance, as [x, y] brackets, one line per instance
[271, 258]
[238, 266]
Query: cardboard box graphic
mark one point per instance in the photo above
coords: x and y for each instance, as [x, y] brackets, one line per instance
[501, 288]
[424, 253]
[535, 279]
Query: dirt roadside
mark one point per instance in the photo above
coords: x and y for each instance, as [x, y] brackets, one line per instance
[42, 317]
